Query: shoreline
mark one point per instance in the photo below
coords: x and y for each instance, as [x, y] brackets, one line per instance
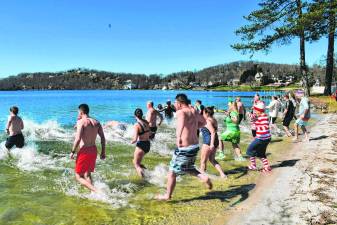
[299, 192]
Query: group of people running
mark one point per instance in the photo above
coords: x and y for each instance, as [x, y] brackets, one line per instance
[190, 122]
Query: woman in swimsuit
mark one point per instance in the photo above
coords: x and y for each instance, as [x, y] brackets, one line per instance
[142, 139]
[210, 142]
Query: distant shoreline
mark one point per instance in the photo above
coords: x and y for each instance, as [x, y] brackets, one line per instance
[218, 88]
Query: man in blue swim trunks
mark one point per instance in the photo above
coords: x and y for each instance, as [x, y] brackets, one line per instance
[183, 160]
[303, 118]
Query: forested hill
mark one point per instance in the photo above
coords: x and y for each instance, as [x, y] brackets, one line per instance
[93, 79]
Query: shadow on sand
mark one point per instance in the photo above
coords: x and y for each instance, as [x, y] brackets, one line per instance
[243, 170]
[225, 196]
[318, 138]
[286, 163]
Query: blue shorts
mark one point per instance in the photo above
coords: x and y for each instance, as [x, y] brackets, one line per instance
[258, 148]
[301, 123]
[183, 159]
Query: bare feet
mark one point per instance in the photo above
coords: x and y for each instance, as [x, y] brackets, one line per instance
[140, 172]
[164, 197]
[209, 184]
[223, 176]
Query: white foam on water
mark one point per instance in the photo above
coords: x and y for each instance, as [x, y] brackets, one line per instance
[49, 130]
[28, 158]
[3, 151]
[114, 197]
[115, 134]
[158, 175]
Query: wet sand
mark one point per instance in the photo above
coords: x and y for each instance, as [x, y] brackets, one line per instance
[302, 186]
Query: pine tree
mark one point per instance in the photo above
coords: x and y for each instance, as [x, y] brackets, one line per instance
[276, 21]
[320, 20]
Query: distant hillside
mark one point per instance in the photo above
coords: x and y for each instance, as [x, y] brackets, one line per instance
[93, 79]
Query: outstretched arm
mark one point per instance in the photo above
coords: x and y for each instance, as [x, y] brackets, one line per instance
[101, 134]
[135, 135]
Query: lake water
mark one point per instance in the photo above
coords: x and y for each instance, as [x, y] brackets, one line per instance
[37, 183]
[61, 106]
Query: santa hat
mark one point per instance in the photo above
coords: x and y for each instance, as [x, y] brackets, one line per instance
[259, 106]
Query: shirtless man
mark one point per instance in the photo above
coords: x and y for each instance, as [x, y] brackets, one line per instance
[151, 117]
[14, 129]
[183, 160]
[87, 130]
[241, 109]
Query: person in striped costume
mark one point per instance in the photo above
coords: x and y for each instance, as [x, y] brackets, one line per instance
[259, 145]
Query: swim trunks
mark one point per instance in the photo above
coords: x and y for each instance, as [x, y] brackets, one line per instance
[153, 132]
[301, 122]
[144, 145]
[86, 160]
[206, 136]
[17, 140]
[183, 159]
[287, 120]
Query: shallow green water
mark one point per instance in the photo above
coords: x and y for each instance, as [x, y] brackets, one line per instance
[44, 195]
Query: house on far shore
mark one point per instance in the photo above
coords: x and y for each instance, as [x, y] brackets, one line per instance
[234, 82]
[258, 76]
[128, 85]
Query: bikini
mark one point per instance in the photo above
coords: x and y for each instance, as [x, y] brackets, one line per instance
[143, 145]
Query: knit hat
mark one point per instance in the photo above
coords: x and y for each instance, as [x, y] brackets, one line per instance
[259, 106]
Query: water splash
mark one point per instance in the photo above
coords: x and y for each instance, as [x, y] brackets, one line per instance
[49, 130]
[115, 197]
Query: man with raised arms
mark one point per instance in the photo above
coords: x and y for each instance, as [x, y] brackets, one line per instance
[151, 117]
[86, 133]
[183, 160]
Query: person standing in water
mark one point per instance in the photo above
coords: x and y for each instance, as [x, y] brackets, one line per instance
[183, 160]
[169, 110]
[210, 142]
[241, 109]
[232, 133]
[151, 117]
[14, 129]
[259, 145]
[199, 106]
[87, 130]
[142, 139]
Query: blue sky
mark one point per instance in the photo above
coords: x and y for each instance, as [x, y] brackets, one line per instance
[149, 36]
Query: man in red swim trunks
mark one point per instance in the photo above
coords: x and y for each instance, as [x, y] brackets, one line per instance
[87, 130]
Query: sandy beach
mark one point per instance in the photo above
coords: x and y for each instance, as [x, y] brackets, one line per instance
[303, 189]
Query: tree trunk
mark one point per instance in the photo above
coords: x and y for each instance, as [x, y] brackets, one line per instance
[303, 66]
[330, 53]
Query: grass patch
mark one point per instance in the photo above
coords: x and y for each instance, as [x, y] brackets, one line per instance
[325, 101]
[254, 88]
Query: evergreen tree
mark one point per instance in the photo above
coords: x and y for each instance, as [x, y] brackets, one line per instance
[276, 21]
[320, 20]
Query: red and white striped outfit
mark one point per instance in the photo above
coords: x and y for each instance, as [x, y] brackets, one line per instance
[252, 117]
[262, 127]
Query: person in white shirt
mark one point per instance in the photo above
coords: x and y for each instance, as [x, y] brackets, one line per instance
[274, 108]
